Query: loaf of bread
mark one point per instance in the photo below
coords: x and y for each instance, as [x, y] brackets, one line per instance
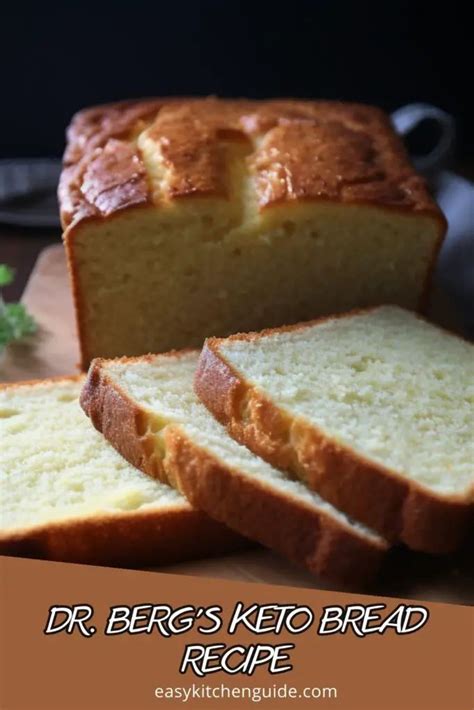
[67, 495]
[374, 410]
[188, 218]
[146, 407]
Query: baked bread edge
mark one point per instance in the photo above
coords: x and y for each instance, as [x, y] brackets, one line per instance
[398, 508]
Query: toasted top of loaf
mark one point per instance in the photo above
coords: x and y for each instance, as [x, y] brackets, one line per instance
[384, 382]
[158, 151]
[54, 466]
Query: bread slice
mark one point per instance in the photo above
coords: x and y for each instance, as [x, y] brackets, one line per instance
[147, 409]
[374, 410]
[239, 215]
[67, 495]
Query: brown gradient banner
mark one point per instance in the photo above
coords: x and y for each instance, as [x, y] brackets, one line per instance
[427, 669]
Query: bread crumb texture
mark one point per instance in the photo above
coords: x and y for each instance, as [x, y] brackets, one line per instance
[386, 383]
[162, 386]
[55, 466]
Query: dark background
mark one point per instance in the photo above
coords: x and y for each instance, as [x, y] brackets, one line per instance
[59, 57]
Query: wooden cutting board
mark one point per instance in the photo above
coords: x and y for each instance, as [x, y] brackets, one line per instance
[54, 351]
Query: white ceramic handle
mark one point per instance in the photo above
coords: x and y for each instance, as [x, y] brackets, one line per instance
[407, 118]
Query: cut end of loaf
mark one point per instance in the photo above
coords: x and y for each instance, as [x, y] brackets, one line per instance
[152, 281]
[208, 217]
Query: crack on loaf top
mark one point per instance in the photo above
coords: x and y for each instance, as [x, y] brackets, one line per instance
[284, 151]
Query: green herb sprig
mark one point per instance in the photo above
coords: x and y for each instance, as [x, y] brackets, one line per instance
[15, 321]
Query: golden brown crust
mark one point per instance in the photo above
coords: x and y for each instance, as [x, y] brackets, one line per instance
[138, 539]
[122, 423]
[132, 539]
[304, 535]
[28, 383]
[89, 134]
[399, 509]
[78, 301]
[298, 151]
